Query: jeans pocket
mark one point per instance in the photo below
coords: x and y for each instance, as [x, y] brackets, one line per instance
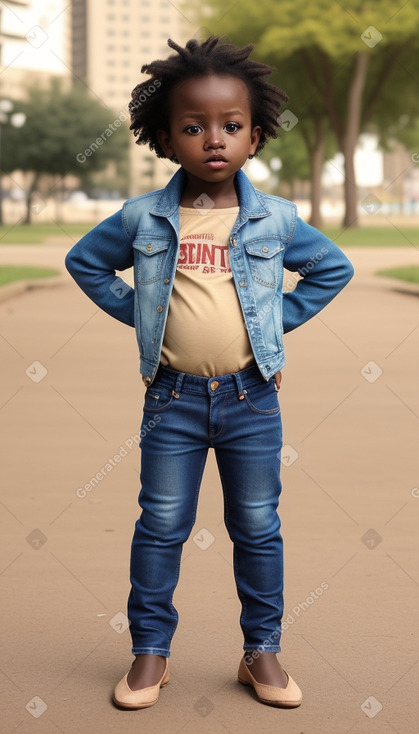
[265, 257]
[263, 398]
[149, 256]
[157, 398]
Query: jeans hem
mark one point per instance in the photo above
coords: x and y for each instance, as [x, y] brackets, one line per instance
[262, 648]
[150, 651]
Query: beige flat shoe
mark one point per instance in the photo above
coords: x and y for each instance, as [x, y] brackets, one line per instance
[124, 697]
[288, 697]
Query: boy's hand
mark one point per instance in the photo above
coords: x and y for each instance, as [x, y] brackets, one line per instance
[278, 378]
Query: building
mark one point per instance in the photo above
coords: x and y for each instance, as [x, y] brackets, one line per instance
[35, 43]
[112, 39]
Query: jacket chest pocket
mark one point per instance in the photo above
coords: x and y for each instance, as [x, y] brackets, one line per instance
[265, 259]
[149, 255]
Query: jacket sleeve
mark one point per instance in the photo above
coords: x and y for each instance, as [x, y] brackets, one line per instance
[325, 270]
[92, 263]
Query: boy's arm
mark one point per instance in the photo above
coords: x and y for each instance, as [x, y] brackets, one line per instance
[92, 263]
[325, 270]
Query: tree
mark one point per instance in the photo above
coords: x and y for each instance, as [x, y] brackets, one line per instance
[396, 114]
[66, 132]
[308, 127]
[295, 163]
[342, 55]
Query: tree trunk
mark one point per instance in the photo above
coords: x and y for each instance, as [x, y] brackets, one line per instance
[353, 122]
[317, 161]
[59, 187]
[29, 195]
[1, 200]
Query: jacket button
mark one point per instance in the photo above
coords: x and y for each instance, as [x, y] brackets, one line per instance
[233, 242]
[265, 249]
[243, 283]
[149, 246]
[167, 280]
[159, 309]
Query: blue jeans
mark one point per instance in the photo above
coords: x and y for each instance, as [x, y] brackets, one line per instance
[237, 415]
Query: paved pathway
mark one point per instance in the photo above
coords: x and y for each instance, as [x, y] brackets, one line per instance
[71, 401]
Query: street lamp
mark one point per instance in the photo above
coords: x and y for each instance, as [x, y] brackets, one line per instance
[17, 119]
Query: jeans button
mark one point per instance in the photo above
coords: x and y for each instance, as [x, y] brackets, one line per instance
[214, 384]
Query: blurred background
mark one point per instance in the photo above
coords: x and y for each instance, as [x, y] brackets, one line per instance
[347, 150]
[347, 153]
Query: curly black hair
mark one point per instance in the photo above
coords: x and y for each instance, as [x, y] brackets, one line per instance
[149, 107]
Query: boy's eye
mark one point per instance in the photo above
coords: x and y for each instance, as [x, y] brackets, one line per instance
[193, 129]
[232, 127]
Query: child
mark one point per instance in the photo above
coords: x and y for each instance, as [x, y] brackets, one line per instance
[208, 253]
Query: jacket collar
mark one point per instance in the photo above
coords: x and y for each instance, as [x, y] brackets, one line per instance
[250, 200]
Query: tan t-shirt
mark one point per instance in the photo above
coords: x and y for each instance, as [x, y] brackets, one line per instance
[205, 332]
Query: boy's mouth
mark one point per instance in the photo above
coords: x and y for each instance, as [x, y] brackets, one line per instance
[216, 161]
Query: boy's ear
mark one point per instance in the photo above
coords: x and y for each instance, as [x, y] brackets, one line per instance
[254, 138]
[165, 142]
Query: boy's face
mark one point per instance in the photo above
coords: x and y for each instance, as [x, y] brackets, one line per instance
[211, 131]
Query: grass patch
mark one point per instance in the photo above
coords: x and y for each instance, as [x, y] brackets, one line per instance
[408, 273]
[36, 234]
[374, 236]
[12, 273]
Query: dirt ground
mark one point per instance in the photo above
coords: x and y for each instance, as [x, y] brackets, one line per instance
[71, 400]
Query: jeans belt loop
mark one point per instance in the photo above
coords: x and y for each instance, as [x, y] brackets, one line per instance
[178, 385]
[240, 389]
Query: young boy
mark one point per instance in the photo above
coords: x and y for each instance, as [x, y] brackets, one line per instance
[208, 253]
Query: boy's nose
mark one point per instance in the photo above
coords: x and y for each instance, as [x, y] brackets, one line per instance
[214, 140]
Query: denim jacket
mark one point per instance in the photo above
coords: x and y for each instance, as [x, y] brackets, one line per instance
[267, 237]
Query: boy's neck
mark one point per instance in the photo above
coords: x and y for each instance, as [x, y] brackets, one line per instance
[223, 193]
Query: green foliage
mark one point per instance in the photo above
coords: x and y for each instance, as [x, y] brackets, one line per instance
[312, 47]
[346, 65]
[396, 113]
[408, 273]
[333, 27]
[293, 155]
[12, 273]
[38, 233]
[60, 124]
[385, 236]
